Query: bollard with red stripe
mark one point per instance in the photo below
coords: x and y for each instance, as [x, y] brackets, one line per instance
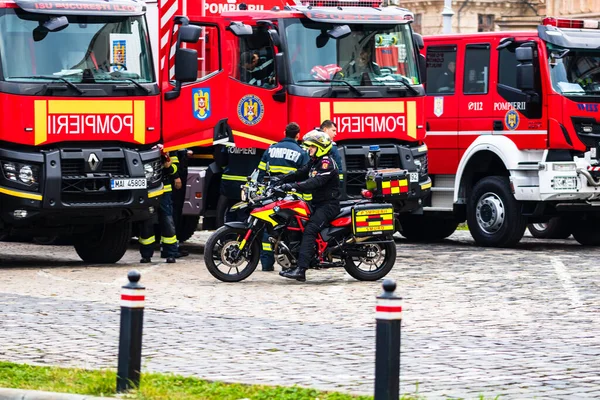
[130, 335]
[388, 314]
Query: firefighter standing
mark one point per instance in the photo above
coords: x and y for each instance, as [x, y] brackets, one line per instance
[330, 128]
[280, 159]
[321, 178]
[168, 238]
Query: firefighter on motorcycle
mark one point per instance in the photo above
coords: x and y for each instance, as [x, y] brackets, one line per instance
[321, 178]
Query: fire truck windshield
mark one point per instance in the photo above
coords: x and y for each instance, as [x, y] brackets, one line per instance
[371, 55]
[574, 71]
[76, 48]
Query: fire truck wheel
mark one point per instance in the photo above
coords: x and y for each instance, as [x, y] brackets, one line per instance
[419, 228]
[106, 244]
[555, 228]
[187, 227]
[493, 214]
[586, 232]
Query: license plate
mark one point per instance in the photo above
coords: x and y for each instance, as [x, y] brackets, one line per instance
[414, 177]
[128, 184]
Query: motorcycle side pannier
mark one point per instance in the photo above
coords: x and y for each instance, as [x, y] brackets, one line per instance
[389, 183]
[372, 219]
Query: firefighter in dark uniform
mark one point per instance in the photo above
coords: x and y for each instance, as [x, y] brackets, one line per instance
[178, 194]
[168, 238]
[330, 128]
[321, 178]
[237, 163]
[280, 159]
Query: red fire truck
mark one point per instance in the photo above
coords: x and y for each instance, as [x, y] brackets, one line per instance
[513, 130]
[80, 116]
[383, 108]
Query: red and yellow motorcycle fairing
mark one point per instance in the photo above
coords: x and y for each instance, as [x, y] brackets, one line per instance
[37, 121]
[299, 207]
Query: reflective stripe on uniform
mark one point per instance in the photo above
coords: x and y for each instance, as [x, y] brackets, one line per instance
[168, 240]
[168, 188]
[341, 177]
[267, 246]
[280, 169]
[174, 169]
[233, 178]
[262, 165]
[306, 196]
[147, 241]
[174, 159]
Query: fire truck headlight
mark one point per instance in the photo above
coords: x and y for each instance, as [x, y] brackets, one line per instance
[149, 171]
[10, 171]
[26, 175]
[20, 173]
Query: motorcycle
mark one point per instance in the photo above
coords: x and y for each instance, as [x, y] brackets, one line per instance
[359, 239]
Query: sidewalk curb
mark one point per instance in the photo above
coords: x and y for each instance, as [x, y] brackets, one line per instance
[20, 394]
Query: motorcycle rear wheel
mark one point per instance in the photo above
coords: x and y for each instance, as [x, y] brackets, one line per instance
[217, 255]
[383, 267]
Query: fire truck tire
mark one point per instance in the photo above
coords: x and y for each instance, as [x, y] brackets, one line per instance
[493, 214]
[187, 227]
[586, 232]
[419, 228]
[555, 228]
[106, 244]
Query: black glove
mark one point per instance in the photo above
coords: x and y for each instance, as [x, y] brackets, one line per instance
[287, 187]
[274, 181]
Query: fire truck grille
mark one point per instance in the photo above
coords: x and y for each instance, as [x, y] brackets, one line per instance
[109, 198]
[84, 190]
[115, 166]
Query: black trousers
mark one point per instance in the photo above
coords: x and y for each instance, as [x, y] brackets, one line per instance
[167, 231]
[322, 214]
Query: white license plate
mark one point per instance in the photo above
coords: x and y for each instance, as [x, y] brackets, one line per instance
[128, 184]
[414, 177]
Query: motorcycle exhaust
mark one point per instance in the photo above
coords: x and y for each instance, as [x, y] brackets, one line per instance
[350, 241]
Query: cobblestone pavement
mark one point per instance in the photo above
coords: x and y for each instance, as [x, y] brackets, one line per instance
[519, 323]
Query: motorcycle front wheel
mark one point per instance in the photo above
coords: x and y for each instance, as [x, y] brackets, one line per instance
[223, 258]
[379, 262]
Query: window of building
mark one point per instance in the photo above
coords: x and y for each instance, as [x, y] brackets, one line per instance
[441, 67]
[477, 67]
[417, 23]
[485, 22]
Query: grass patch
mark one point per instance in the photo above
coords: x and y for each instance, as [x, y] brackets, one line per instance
[154, 386]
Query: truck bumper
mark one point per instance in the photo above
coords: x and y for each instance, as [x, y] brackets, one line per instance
[72, 187]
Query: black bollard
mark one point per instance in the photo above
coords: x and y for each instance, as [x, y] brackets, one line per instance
[130, 336]
[388, 314]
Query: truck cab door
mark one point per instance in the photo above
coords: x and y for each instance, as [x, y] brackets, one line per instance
[258, 108]
[195, 112]
[441, 107]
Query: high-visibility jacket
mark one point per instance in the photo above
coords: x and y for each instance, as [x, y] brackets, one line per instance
[282, 158]
[237, 164]
[171, 173]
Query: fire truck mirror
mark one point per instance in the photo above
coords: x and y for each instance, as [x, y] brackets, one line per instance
[339, 32]
[525, 77]
[282, 76]
[240, 29]
[274, 35]
[418, 39]
[422, 69]
[186, 65]
[524, 54]
[189, 34]
[54, 24]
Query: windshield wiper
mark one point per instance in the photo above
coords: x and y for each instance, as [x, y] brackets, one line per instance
[351, 86]
[412, 89]
[145, 89]
[54, 78]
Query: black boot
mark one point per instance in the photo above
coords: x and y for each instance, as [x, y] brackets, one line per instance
[145, 260]
[297, 273]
